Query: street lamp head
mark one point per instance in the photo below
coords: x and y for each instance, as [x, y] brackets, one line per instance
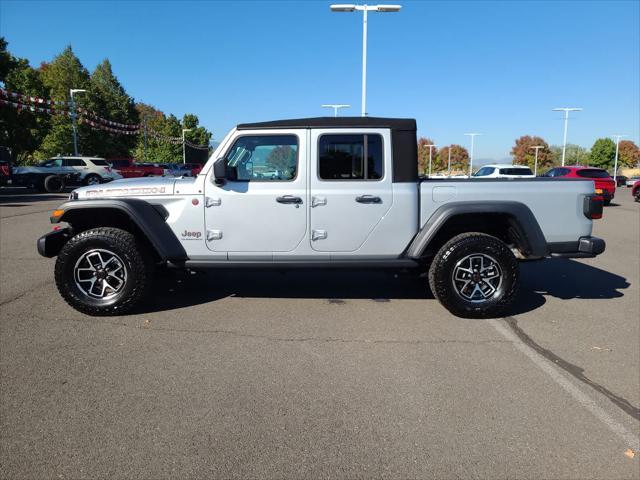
[186, 129]
[76, 90]
[567, 109]
[343, 8]
[388, 8]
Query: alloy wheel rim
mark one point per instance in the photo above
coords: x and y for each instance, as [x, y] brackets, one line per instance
[92, 181]
[477, 277]
[100, 274]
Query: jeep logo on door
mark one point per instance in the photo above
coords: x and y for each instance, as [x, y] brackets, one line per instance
[187, 235]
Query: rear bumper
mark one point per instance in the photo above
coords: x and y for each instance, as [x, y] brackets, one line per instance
[49, 245]
[585, 247]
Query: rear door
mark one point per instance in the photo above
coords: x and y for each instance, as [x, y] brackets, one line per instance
[350, 186]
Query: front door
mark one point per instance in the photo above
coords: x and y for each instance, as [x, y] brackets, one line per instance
[351, 187]
[261, 208]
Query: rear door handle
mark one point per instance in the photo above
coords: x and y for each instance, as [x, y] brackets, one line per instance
[289, 199]
[368, 199]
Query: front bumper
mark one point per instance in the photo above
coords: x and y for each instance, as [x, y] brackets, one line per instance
[49, 245]
[585, 247]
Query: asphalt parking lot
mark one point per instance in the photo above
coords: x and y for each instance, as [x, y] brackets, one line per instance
[321, 374]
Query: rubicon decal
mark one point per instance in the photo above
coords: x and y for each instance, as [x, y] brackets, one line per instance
[114, 192]
[187, 235]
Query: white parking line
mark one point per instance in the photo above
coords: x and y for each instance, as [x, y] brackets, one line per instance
[587, 402]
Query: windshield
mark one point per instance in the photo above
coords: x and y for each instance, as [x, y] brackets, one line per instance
[484, 171]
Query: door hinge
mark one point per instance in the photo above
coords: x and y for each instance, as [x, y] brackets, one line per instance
[214, 235]
[317, 201]
[212, 202]
[318, 235]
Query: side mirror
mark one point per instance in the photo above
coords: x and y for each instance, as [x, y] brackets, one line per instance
[220, 171]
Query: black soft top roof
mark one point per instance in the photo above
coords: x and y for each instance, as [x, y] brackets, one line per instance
[403, 135]
[336, 122]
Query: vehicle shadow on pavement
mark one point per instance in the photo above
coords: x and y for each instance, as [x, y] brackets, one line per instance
[560, 278]
[181, 290]
[564, 279]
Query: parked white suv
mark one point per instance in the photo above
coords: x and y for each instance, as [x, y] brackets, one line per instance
[504, 171]
[92, 170]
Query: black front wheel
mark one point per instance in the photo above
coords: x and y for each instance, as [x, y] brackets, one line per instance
[103, 272]
[474, 275]
[53, 184]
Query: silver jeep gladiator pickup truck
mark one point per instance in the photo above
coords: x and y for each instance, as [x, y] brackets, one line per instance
[318, 192]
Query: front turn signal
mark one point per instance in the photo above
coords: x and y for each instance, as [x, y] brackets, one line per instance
[55, 216]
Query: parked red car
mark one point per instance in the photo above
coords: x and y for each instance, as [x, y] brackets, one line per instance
[604, 184]
[635, 191]
[129, 169]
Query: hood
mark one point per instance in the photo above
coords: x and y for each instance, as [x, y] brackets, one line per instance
[129, 187]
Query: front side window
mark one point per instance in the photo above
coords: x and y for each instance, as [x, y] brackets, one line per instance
[484, 171]
[342, 157]
[264, 158]
[74, 162]
[99, 162]
[55, 162]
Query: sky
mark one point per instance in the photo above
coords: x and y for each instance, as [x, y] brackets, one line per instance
[497, 68]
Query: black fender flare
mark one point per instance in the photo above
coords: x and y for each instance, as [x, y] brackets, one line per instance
[536, 244]
[149, 218]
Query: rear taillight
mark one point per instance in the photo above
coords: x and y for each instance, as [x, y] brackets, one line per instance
[592, 206]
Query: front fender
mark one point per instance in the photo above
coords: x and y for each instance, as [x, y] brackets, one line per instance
[150, 220]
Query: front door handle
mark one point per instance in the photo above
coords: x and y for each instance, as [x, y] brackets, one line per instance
[368, 199]
[289, 199]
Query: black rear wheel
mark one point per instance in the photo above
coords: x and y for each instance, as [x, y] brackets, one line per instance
[53, 184]
[474, 275]
[103, 271]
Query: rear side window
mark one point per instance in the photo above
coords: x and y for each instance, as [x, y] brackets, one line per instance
[74, 162]
[101, 163]
[350, 157]
[484, 171]
[592, 173]
[516, 171]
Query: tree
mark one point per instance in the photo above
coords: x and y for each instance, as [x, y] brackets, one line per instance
[22, 130]
[628, 154]
[523, 154]
[107, 98]
[603, 153]
[575, 155]
[283, 159]
[423, 155]
[59, 77]
[459, 157]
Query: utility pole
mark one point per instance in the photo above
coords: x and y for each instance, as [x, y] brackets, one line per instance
[73, 119]
[365, 9]
[566, 111]
[145, 137]
[473, 136]
[535, 165]
[336, 107]
[615, 164]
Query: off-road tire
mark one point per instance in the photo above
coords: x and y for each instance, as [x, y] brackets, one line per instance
[138, 267]
[53, 184]
[90, 177]
[457, 250]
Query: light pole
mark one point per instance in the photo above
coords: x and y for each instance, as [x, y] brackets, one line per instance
[566, 111]
[73, 119]
[473, 136]
[615, 164]
[449, 164]
[430, 147]
[184, 152]
[535, 165]
[336, 107]
[364, 9]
